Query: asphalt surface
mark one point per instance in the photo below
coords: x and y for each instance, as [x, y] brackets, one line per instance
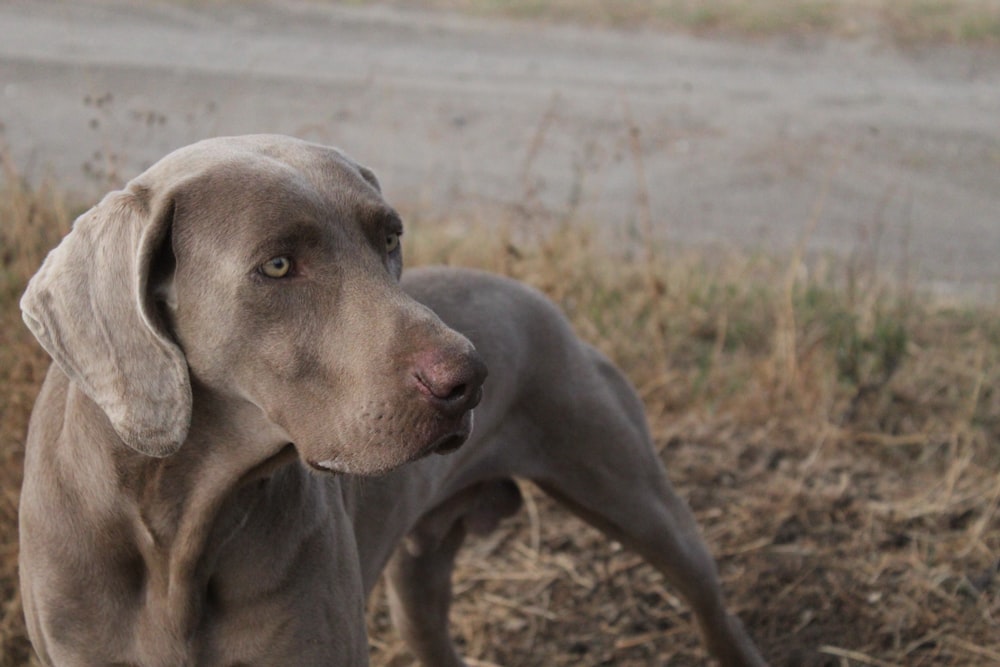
[860, 148]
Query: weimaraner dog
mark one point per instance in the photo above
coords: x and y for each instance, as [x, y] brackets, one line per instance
[233, 442]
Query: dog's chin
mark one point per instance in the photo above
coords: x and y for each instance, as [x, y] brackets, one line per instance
[381, 458]
[452, 436]
[447, 444]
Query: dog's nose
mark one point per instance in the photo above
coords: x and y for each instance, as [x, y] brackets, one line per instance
[453, 383]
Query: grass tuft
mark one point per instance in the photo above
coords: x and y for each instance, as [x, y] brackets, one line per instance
[30, 223]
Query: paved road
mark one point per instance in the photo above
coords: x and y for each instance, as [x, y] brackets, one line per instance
[738, 141]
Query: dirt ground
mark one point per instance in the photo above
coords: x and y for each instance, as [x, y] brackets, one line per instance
[848, 143]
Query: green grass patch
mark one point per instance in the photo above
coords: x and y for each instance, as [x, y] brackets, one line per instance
[974, 22]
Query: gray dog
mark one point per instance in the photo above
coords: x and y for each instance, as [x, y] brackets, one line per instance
[232, 442]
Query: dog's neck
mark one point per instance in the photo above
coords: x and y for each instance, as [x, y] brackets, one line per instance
[160, 562]
[177, 498]
[181, 511]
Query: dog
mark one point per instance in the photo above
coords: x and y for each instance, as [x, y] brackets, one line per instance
[239, 433]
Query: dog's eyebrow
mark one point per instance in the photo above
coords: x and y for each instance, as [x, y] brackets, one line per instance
[289, 237]
[386, 217]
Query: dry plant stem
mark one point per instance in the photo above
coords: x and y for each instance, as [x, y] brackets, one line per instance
[979, 527]
[654, 287]
[529, 191]
[644, 208]
[786, 333]
[857, 656]
[973, 401]
[980, 651]
[531, 507]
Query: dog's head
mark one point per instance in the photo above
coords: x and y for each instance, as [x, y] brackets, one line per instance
[262, 271]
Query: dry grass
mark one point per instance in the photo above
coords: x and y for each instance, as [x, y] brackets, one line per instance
[841, 451]
[30, 223]
[840, 447]
[900, 21]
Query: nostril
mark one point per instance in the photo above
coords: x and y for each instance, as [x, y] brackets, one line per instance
[456, 393]
[453, 383]
[442, 389]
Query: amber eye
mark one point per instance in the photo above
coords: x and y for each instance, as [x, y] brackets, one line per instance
[391, 242]
[277, 267]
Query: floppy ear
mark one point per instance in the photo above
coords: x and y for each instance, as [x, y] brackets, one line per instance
[91, 308]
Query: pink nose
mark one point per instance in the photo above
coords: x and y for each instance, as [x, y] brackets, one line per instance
[452, 383]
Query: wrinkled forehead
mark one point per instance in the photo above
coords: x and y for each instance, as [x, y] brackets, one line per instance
[253, 180]
[263, 157]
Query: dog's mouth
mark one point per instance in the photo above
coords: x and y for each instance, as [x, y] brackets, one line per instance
[449, 443]
[337, 466]
[453, 435]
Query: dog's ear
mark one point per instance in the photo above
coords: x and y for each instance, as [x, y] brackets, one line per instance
[91, 307]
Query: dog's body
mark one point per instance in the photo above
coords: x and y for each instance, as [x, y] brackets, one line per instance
[233, 318]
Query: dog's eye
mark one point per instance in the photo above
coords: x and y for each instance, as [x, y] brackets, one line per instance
[392, 242]
[277, 267]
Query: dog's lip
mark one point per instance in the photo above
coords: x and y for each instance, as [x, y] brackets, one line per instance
[328, 466]
[448, 440]
[449, 443]
[474, 402]
[454, 439]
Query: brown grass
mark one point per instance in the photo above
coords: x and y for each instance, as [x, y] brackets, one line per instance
[30, 223]
[840, 448]
[907, 22]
